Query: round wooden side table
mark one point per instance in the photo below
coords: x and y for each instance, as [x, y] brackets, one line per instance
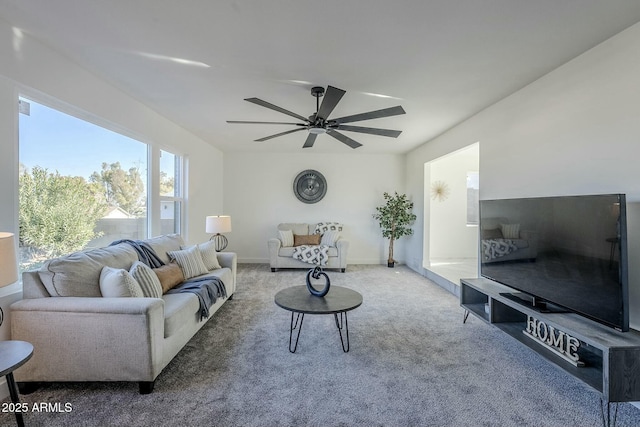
[14, 354]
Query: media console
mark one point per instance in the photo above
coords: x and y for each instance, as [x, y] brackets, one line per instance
[605, 359]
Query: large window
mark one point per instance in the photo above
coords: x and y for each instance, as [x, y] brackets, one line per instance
[84, 186]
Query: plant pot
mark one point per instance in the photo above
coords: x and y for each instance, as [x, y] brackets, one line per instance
[391, 264]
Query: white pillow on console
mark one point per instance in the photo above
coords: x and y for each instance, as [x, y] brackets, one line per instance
[510, 231]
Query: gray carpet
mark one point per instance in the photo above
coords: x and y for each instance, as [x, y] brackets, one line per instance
[412, 363]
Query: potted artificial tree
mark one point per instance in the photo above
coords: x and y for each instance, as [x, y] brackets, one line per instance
[394, 217]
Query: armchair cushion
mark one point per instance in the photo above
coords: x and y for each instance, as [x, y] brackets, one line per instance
[330, 238]
[510, 231]
[286, 237]
[308, 239]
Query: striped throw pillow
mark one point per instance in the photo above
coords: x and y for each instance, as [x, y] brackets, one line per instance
[147, 279]
[286, 237]
[329, 238]
[209, 255]
[510, 231]
[190, 261]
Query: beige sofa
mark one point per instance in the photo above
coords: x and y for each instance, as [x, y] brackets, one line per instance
[282, 257]
[78, 335]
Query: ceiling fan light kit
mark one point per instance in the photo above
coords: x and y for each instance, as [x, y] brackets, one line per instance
[319, 123]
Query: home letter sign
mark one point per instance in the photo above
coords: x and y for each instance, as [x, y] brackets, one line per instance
[561, 343]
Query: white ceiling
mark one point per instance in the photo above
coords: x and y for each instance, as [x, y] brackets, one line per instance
[442, 60]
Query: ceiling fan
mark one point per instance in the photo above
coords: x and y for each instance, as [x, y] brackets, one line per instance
[319, 122]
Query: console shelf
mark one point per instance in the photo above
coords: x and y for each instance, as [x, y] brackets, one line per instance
[611, 358]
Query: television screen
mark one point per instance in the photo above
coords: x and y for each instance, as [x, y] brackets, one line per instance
[570, 251]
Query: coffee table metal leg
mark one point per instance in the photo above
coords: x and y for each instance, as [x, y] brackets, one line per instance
[294, 326]
[343, 323]
[13, 392]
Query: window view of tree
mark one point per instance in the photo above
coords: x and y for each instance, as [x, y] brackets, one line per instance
[58, 214]
[122, 189]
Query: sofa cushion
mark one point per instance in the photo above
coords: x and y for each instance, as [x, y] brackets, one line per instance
[117, 283]
[163, 244]
[190, 261]
[184, 307]
[296, 228]
[179, 310]
[170, 275]
[78, 274]
[306, 239]
[148, 280]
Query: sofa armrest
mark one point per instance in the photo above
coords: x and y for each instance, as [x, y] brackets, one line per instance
[343, 248]
[90, 339]
[229, 260]
[274, 245]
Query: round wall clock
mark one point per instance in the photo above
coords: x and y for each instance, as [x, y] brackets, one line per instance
[309, 186]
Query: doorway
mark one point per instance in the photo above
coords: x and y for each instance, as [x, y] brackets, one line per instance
[451, 200]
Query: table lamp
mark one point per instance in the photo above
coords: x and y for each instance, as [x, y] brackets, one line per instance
[8, 263]
[218, 224]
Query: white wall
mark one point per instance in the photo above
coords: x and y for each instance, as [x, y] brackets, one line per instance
[449, 235]
[258, 194]
[574, 131]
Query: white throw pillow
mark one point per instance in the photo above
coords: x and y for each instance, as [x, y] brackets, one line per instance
[286, 237]
[190, 261]
[118, 282]
[510, 231]
[209, 255]
[329, 238]
[147, 279]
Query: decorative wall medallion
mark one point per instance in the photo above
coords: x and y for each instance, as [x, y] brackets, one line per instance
[439, 191]
[309, 186]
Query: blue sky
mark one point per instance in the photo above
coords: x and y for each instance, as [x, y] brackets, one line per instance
[57, 141]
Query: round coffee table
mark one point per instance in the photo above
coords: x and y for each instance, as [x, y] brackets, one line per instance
[299, 302]
[14, 354]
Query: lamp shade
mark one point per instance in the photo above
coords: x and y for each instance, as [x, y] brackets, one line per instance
[8, 262]
[218, 224]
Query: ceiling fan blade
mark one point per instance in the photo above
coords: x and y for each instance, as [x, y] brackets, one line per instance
[266, 104]
[331, 98]
[373, 131]
[311, 139]
[279, 134]
[344, 139]
[386, 112]
[265, 123]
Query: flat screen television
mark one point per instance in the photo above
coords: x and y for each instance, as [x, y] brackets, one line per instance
[567, 253]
